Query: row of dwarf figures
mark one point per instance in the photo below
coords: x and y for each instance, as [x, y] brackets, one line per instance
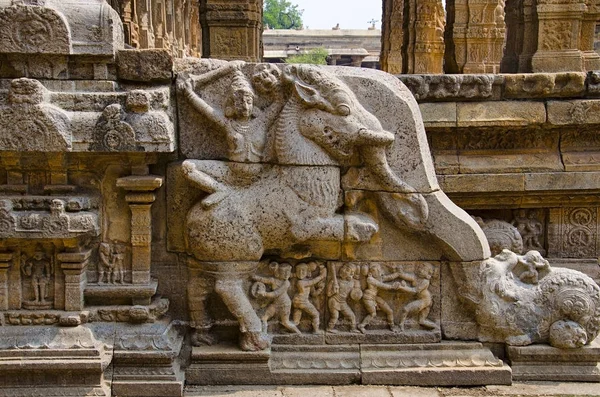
[290, 293]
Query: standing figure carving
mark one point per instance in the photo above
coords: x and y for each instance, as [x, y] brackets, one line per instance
[423, 301]
[377, 281]
[280, 305]
[304, 287]
[39, 269]
[338, 291]
[313, 125]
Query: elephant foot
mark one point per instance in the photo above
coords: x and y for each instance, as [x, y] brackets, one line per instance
[253, 341]
[428, 324]
[202, 338]
[360, 228]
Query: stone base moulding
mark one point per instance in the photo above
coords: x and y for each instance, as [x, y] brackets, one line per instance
[432, 364]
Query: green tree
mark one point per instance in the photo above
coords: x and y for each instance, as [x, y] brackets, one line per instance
[282, 14]
[315, 56]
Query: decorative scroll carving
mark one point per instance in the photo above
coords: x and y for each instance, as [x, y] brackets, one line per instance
[30, 29]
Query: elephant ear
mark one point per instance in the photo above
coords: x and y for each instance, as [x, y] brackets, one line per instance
[404, 209]
[306, 92]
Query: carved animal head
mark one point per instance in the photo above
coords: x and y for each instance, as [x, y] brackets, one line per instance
[331, 116]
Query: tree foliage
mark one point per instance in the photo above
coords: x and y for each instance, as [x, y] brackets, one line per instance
[282, 14]
[315, 56]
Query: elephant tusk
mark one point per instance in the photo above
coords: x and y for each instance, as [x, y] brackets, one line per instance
[375, 138]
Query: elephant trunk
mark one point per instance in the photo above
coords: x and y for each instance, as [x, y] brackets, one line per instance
[404, 206]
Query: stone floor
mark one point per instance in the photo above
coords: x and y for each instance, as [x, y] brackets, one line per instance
[517, 389]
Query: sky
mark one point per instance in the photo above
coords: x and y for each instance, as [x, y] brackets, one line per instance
[350, 14]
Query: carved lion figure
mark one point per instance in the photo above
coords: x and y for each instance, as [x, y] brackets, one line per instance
[526, 301]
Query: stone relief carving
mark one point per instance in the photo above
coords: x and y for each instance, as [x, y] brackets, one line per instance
[316, 126]
[531, 230]
[39, 269]
[501, 235]
[339, 289]
[30, 29]
[29, 123]
[526, 301]
[110, 268]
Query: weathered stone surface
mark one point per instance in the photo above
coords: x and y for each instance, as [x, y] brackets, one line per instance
[573, 112]
[302, 213]
[446, 364]
[544, 85]
[543, 362]
[144, 65]
[506, 114]
[438, 115]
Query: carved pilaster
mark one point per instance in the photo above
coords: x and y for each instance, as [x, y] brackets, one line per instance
[392, 36]
[231, 29]
[5, 265]
[74, 266]
[426, 24]
[140, 197]
[591, 59]
[477, 37]
[558, 37]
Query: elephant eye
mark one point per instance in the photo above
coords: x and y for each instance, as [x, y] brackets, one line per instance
[343, 110]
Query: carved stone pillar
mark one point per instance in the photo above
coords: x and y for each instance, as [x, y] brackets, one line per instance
[591, 59]
[514, 36]
[530, 35]
[477, 36]
[231, 29]
[140, 197]
[5, 265]
[74, 266]
[559, 37]
[425, 50]
[144, 17]
[392, 36]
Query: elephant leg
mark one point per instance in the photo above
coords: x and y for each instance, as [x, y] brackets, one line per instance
[331, 229]
[198, 290]
[233, 295]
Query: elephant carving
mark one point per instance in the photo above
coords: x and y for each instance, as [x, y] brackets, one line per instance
[281, 186]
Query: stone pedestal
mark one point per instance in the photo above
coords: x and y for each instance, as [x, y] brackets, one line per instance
[71, 362]
[231, 29]
[146, 360]
[227, 364]
[436, 364]
[547, 363]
